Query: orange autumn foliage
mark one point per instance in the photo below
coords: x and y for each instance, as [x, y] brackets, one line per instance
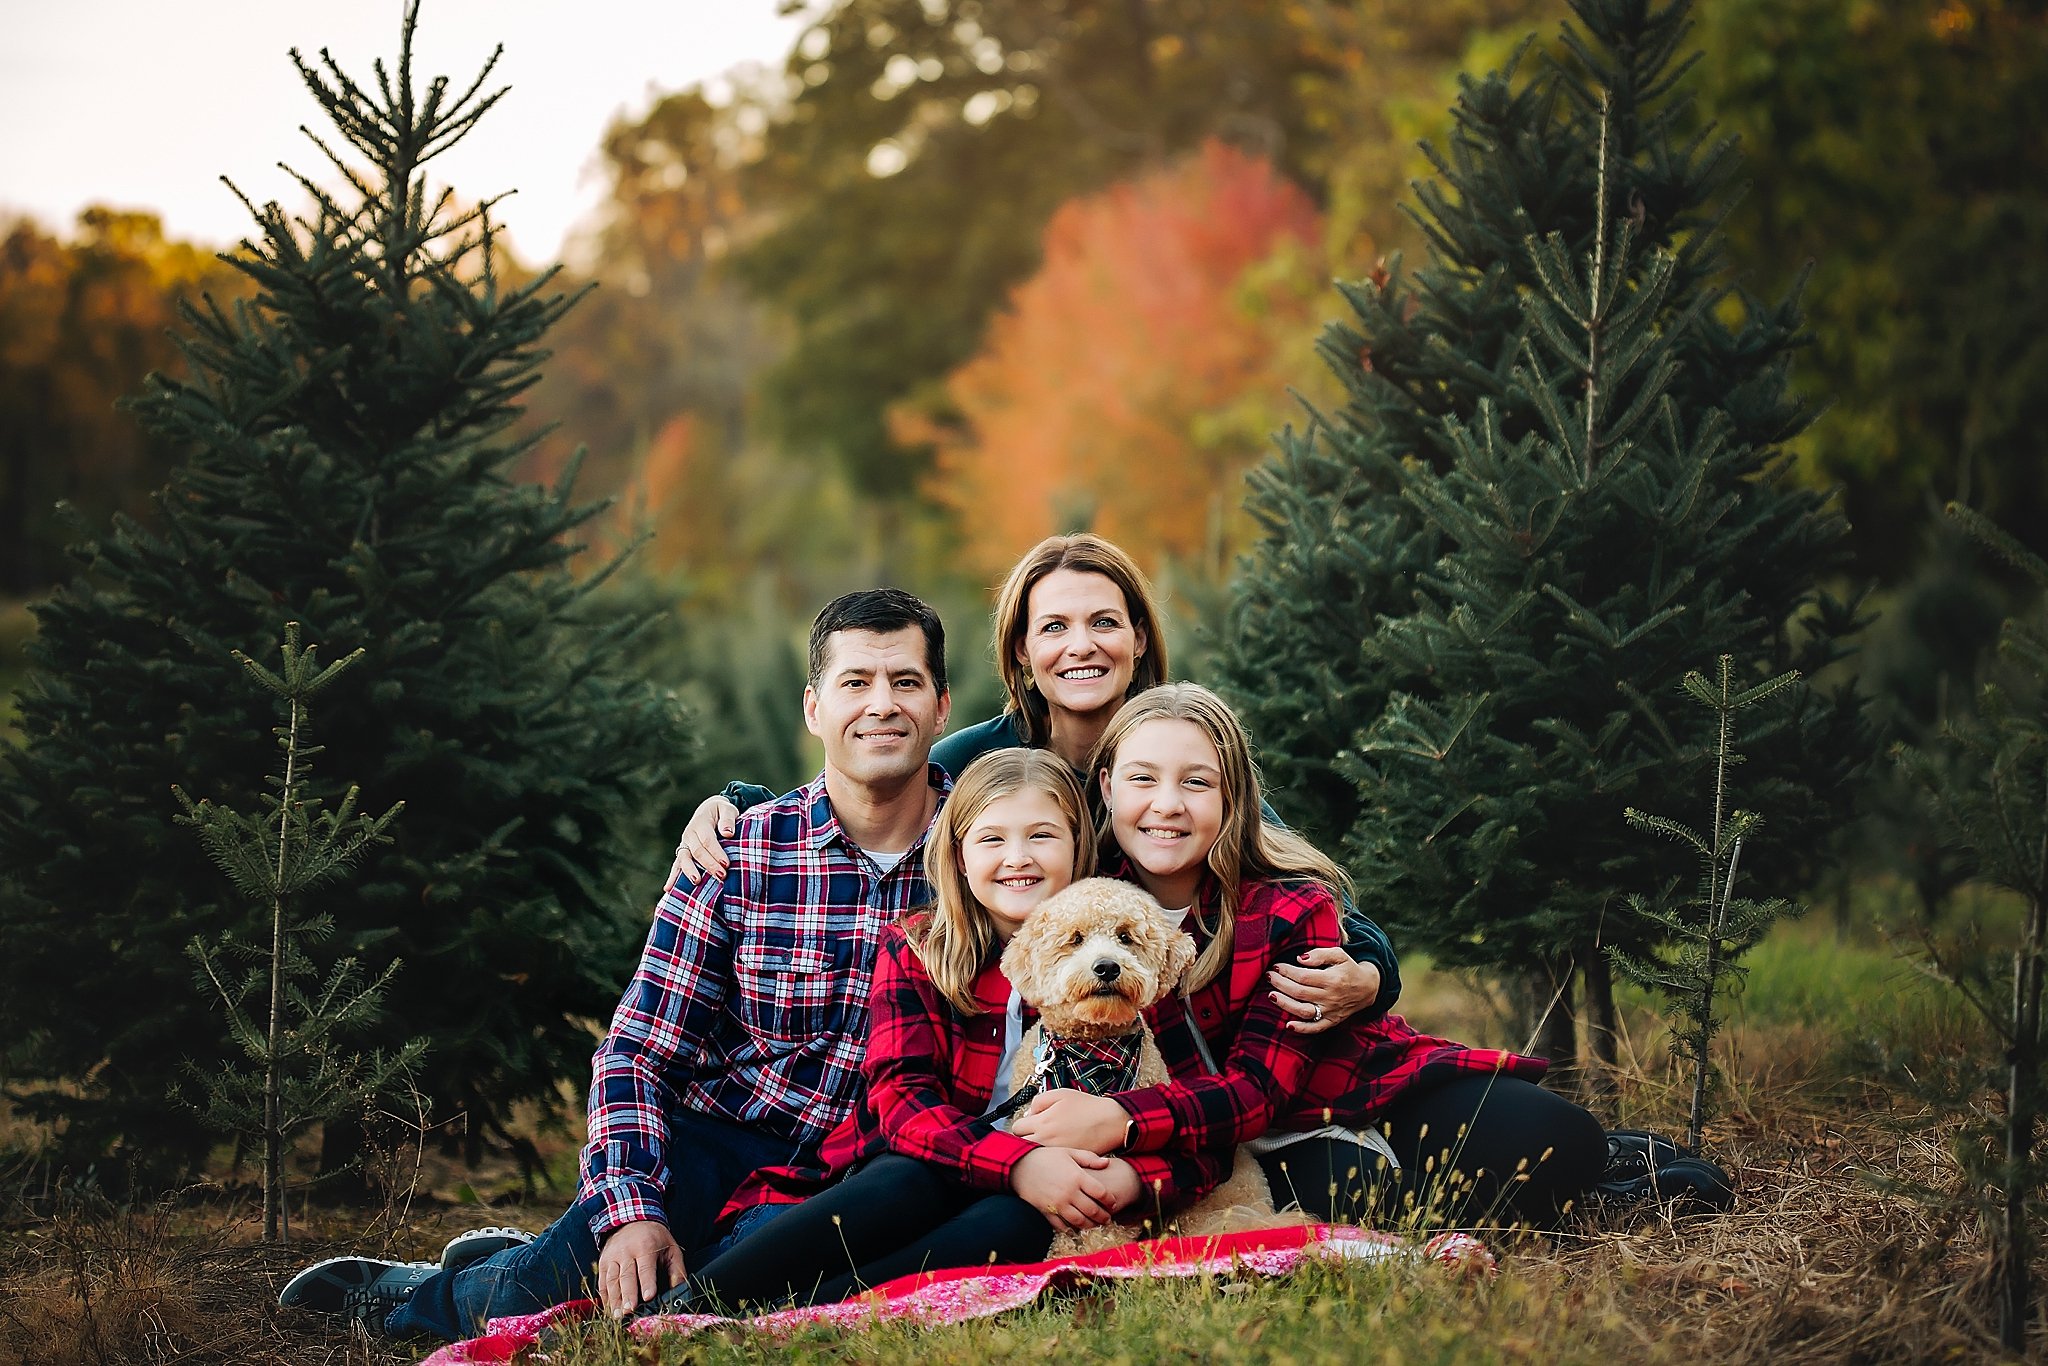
[1113, 390]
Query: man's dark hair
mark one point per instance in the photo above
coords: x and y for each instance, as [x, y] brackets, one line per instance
[880, 610]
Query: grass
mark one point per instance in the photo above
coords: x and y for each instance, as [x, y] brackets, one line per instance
[1816, 1264]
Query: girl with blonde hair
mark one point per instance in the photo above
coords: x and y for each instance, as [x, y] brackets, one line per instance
[1347, 1124]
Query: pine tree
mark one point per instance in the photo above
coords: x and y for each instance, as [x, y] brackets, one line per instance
[1987, 776]
[352, 468]
[1559, 478]
[296, 1070]
[1705, 935]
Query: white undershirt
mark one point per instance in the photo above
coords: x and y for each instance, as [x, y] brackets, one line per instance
[1006, 1066]
[886, 862]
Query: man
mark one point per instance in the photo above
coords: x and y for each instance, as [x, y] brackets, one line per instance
[738, 1043]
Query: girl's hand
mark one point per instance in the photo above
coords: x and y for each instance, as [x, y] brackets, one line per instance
[1068, 1186]
[699, 851]
[1125, 1187]
[1323, 988]
[1066, 1118]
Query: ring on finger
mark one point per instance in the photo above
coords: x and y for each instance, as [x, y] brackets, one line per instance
[1317, 1018]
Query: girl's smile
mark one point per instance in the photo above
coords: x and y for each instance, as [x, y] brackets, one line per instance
[1165, 797]
[1018, 851]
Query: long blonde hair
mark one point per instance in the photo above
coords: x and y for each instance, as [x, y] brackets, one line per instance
[1085, 553]
[1249, 846]
[954, 941]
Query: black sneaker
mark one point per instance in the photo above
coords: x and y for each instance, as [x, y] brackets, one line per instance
[1633, 1153]
[1678, 1180]
[366, 1289]
[467, 1249]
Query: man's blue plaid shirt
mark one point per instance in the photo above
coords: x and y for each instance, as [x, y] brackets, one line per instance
[750, 1003]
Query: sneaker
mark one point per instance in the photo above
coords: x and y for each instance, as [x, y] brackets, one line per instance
[366, 1289]
[467, 1249]
[1678, 1180]
[1633, 1153]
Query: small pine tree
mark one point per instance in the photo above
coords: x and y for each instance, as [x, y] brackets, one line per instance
[352, 467]
[1705, 935]
[297, 1073]
[1993, 805]
[1560, 476]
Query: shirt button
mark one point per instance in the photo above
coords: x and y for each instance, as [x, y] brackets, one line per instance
[1208, 1014]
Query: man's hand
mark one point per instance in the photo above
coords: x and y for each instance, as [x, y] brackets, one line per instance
[1323, 988]
[1067, 1186]
[699, 851]
[639, 1261]
[1066, 1118]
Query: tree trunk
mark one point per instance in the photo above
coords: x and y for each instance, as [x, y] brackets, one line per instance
[1553, 1027]
[1602, 1022]
[2022, 1113]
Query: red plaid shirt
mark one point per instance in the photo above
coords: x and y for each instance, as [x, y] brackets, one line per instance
[930, 1074]
[1274, 1077]
[750, 1003]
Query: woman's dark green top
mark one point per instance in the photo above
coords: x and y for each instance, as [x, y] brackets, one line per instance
[1363, 940]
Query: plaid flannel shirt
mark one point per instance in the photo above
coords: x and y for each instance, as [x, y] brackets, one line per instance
[1274, 1077]
[1262, 1062]
[750, 1003]
[930, 1075]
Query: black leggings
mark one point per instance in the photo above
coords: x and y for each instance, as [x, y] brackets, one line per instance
[1475, 1151]
[892, 1217]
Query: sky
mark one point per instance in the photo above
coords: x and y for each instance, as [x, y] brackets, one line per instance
[147, 103]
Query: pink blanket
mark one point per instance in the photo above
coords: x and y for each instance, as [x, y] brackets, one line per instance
[936, 1297]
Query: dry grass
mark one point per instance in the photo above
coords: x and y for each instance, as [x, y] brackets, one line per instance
[1816, 1264]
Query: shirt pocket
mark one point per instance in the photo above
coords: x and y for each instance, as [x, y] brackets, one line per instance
[792, 995]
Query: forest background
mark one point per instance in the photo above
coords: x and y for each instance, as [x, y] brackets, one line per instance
[961, 275]
[1091, 248]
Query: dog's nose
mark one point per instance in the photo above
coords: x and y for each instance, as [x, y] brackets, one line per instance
[1106, 970]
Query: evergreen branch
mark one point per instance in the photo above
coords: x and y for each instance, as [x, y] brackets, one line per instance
[2001, 543]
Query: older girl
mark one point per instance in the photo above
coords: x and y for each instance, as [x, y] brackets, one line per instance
[1372, 1112]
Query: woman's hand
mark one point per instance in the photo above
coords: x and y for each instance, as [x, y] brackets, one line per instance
[699, 851]
[1067, 1118]
[1068, 1186]
[1323, 988]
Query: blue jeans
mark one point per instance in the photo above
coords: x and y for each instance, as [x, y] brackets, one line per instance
[708, 1158]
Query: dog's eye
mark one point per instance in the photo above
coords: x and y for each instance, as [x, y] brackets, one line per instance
[1124, 937]
[1074, 940]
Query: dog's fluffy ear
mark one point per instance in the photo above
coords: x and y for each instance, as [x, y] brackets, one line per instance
[1180, 956]
[1021, 954]
[1017, 967]
[1165, 943]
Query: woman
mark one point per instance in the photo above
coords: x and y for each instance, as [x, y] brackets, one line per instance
[1076, 635]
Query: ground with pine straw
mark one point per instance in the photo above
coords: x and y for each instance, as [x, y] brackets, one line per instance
[1820, 1261]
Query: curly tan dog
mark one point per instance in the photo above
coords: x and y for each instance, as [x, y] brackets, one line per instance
[1090, 959]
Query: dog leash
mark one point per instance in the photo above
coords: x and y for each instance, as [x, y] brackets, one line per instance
[1041, 1065]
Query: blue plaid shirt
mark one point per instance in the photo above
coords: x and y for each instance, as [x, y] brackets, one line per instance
[750, 1003]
